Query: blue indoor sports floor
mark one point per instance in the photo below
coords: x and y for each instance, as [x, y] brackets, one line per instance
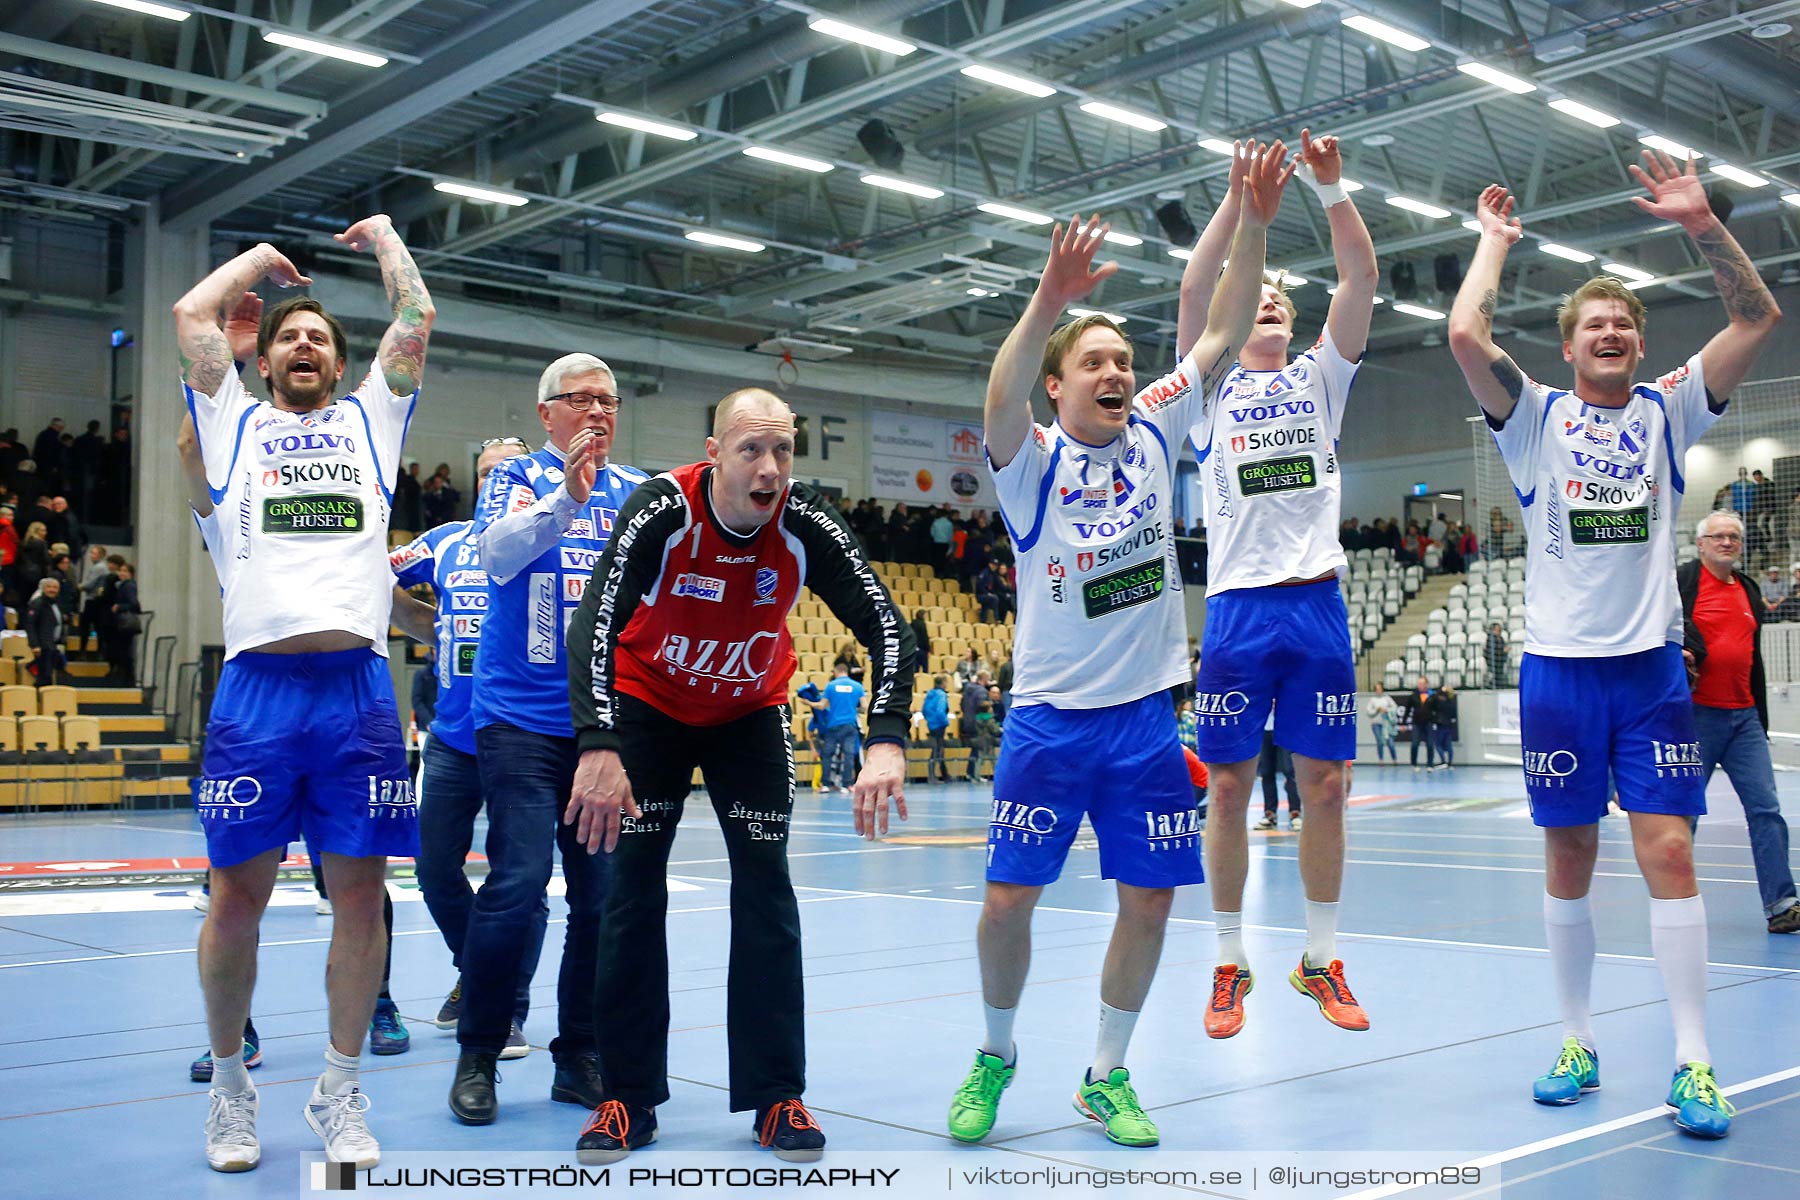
[1442, 941]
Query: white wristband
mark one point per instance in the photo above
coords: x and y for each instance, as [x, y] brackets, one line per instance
[1328, 193]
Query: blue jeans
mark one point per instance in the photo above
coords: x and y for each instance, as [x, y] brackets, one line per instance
[1384, 742]
[1443, 740]
[526, 779]
[833, 741]
[449, 795]
[1733, 738]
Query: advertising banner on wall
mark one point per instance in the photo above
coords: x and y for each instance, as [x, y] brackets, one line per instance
[928, 460]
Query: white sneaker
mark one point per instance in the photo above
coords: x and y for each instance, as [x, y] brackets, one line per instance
[323, 906]
[231, 1143]
[339, 1120]
[516, 1045]
[202, 902]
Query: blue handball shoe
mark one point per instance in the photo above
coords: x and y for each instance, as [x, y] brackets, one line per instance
[1577, 1072]
[386, 1034]
[1700, 1108]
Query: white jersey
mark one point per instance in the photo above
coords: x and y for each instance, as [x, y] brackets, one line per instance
[301, 503]
[1601, 489]
[1272, 486]
[1100, 612]
[211, 539]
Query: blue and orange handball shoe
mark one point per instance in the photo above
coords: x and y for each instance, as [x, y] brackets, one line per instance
[1700, 1107]
[1329, 991]
[1576, 1073]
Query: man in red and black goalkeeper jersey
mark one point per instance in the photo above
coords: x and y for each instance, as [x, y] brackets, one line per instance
[679, 657]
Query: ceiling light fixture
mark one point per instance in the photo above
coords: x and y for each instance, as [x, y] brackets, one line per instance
[1635, 284]
[1581, 112]
[1568, 252]
[1738, 175]
[1418, 206]
[1669, 146]
[1499, 79]
[164, 11]
[1111, 112]
[1626, 272]
[1016, 214]
[862, 37]
[1006, 79]
[1792, 198]
[312, 45]
[1123, 239]
[1386, 33]
[1415, 310]
[1218, 146]
[1115, 318]
[800, 162]
[903, 185]
[484, 195]
[709, 238]
[626, 120]
[1332, 291]
[1180, 252]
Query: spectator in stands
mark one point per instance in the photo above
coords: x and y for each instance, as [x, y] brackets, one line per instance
[943, 534]
[1776, 586]
[1349, 534]
[12, 452]
[115, 482]
[68, 596]
[408, 498]
[921, 636]
[96, 575]
[1496, 654]
[86, 460]
[936, 710]
[1452, 559]
[839, 712]
[1443, 725]
[27, 487]
[1004, 677]
[1416, 713]
[849, 657]
[1438, 528]
[1384, 717]
[1743, 495]
[44, 631]
[46, 449]
[997, 702]
[970, 666]
[974, 693]
[1789, 609]
[438, 501]
[1731, 705]
[33, 562]
[977, 551]
[1466, 546]
[1186, 724]
[984, 741]
[74, 528]
[127, 618]
[899, 535]
[56, 528]
[9, 548]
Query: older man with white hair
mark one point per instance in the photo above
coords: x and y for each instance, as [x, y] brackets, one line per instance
[1724, 613]
[540, 525]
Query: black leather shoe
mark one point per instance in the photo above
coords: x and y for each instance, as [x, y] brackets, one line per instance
[613, 1130]
[577, 1081]
[472, 1091]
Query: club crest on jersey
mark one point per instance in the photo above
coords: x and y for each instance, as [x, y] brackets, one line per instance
[1134, 456]
[1573, 488]
[1237, 443]
[1084, 561]
[767, 579]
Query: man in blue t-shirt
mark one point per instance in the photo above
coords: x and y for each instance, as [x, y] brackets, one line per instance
[540, 525]
[936, 711]
[839, 713]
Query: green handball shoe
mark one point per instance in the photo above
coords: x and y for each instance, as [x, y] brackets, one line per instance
[976, 1104]
[1111, 1102]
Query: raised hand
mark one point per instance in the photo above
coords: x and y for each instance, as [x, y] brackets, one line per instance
[1240, 169]
[1675, 194]
[1265, 179]
[362, 235]
[241, 325]
[1322, 157]
[579, 471]
[1494, 211]
[1070, 273]
[278, 270]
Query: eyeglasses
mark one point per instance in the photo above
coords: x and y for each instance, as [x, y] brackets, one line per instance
[582, 401]
[1721, 537]
[505, 441]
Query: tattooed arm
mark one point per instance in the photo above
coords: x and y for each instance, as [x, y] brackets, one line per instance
[1676, 195]
[205, 350]
[1490, 372]
[402, 353]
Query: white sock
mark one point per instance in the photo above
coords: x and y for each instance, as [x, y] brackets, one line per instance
[999, 1041]
[1116, 1025]
[340, 1071]
[1569, 930]
[1678, 940]
[229, 1073]
[1321, 932]
[1230, 926]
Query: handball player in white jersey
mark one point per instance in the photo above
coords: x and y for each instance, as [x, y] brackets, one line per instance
[1602, 686]
[1100, 640]
[1277, 633]
[299, 485]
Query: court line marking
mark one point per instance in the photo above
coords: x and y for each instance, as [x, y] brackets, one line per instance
[1574, 1135]
[1432, 866]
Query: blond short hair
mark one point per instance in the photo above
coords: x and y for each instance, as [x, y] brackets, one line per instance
[1600, 287]
[1064, 339]
[1280, 284]
[741, 399]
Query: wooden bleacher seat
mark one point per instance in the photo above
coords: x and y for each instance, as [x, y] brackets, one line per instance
[18, 700]
[9, 672]
[39, 733]
[15, 646]
[80, 733]
[58, 701]
[9, 734]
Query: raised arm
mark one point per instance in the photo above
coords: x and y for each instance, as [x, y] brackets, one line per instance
[1353, 305]
[205, 349]
[1491, 374]
[402, 353]
[193, 470]
[1233, 311]
[1068, 276]
[1676, 195]
[1200, 278]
